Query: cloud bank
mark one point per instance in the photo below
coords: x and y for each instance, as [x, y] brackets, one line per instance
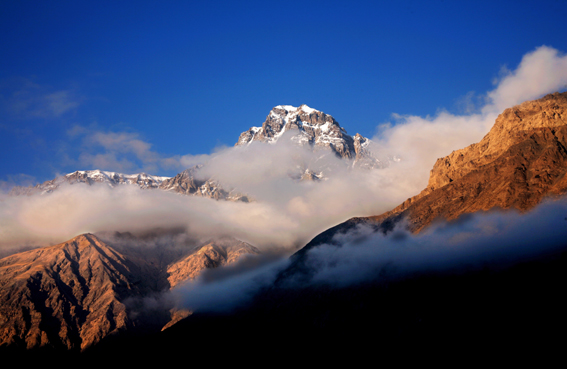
[493, 239]
[286, 213]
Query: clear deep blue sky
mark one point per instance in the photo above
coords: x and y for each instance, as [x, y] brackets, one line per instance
[189, 76]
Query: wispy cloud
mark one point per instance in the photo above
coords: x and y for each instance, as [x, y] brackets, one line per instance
[117, 151]
[23, 98]
[480, 240]
[541, 71]
[491, 240]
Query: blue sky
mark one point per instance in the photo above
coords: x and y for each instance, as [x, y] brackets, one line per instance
[149, 80]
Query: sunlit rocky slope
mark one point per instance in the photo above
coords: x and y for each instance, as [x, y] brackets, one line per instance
[522, 160]
[77, 293]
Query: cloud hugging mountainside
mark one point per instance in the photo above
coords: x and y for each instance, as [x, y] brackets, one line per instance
[518, 164]
[97, 257]
[83, 291]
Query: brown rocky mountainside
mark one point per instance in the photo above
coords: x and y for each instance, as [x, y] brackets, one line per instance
[68, 295]
[519, 162]
[212, 254]
[73, 295]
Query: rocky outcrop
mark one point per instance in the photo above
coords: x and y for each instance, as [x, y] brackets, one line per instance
[514, 126]
[187, 183]
[213, 254]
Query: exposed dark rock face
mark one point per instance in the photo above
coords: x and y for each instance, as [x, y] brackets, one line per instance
[187, 183]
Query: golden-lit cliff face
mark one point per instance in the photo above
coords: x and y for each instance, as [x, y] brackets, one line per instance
[520, 161]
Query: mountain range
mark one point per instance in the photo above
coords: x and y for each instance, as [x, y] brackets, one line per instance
[84, 294]
[303, 126]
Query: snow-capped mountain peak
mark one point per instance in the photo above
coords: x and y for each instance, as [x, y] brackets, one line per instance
[308, 126]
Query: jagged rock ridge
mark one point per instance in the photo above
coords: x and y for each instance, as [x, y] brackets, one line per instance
[184, 183]
[187, 183]
[69, 295]
[519, 162]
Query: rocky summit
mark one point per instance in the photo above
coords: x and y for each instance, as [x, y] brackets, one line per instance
[311, 127]
[306, 127]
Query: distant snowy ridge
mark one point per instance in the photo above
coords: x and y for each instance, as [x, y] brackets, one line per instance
[185, 183]
[306, 127]
[91, 177]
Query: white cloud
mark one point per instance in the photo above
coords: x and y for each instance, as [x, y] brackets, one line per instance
[541, 71]
[489, 239]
